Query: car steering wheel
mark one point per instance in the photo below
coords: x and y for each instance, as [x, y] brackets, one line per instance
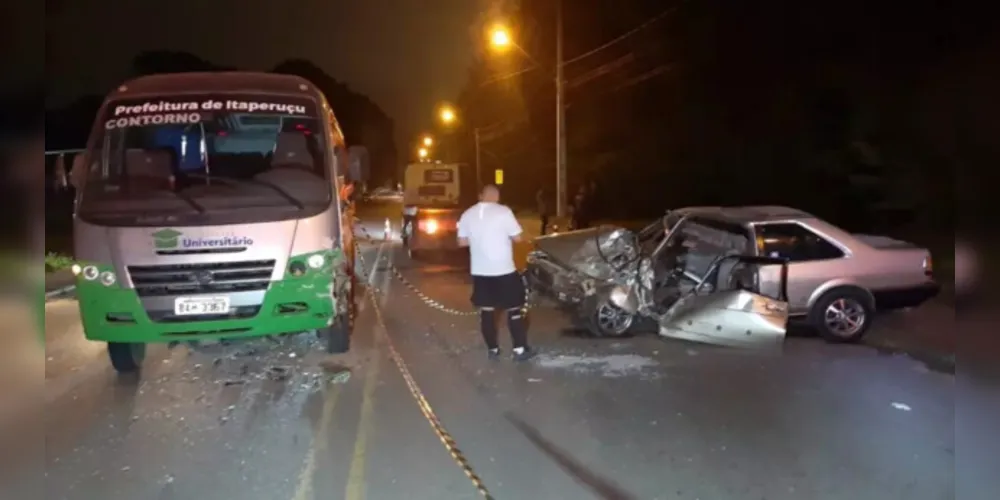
[622, 260]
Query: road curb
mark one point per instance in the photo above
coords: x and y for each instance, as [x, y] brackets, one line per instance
[58, 292]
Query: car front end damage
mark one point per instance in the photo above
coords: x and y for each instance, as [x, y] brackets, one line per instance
[611, 283]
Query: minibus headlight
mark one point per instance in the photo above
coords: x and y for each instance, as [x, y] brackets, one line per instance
[107, 278]
[316, 261]
[90, 273]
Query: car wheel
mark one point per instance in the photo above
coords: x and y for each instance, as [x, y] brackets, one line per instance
[842, 315]
[126, 357]
[604, 319]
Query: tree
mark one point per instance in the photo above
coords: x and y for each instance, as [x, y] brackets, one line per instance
[775, 102]
[362, 121]
[164, 61]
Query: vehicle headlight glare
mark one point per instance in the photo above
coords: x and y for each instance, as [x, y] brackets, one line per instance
[316, 261]
[90, 273]
[107, 278]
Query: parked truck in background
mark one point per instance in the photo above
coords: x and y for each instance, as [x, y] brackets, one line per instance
[434, 197]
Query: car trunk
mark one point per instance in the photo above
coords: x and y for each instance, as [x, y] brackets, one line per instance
[883, 242]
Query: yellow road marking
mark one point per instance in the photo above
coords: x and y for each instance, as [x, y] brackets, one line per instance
[355, 483]
[304, 490]
[355, 489]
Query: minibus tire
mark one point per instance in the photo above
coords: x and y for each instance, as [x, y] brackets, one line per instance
[338, 335]
[126, 357]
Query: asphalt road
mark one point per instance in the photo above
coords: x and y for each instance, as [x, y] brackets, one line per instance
[640, 418]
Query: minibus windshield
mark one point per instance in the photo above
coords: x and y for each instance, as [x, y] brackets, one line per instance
[207, 155]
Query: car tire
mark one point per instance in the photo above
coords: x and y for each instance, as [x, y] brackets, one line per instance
[126, 357]
[604, 319]
[842, 315]
[337, 337]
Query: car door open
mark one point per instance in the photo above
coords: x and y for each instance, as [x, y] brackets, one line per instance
[727, 307]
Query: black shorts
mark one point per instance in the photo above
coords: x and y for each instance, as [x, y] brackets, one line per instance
[498, 292]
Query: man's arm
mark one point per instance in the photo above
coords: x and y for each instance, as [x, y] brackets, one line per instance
[513, 227]
[463, 232]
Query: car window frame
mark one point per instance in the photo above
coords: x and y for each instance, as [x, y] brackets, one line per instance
[711, 222]
[757, 226]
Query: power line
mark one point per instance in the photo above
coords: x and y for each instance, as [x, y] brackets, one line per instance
[589, 53]
[631, 82]
[653, 73]
[601, 71]
[507, 75]
[635, 30]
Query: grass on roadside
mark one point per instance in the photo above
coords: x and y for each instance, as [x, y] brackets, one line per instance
[57, 262]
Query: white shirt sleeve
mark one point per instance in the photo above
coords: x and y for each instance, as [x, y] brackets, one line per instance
[511, 225]
[463, 225]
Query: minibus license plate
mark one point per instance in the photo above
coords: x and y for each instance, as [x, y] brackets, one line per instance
[194, 306]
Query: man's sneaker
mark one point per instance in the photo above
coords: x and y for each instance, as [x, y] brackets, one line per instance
[493, 354]
[524, 355]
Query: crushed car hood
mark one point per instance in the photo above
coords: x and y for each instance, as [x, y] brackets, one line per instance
[578, 250]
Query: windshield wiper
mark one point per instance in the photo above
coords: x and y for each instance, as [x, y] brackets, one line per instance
[189, 200]
[232, 181]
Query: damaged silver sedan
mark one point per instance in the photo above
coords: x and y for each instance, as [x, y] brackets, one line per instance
[687, 277]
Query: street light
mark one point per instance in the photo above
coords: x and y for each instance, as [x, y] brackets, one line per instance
[422, 153]
[501, 39]
[447, 115]
[428, 141]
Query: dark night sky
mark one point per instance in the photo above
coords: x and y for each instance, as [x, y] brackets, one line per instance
[406, 55]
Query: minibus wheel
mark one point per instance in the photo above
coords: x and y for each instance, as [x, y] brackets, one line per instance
[338, 335]
[126, 357]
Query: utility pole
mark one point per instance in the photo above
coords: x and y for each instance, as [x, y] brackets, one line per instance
[560, 118]
[479, 175]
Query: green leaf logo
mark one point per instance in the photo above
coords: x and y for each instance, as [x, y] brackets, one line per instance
[165, 239]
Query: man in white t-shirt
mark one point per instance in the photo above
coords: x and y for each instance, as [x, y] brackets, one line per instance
[489, 229]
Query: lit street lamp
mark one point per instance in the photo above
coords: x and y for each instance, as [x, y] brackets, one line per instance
[500, 40]
[428, 141]
[447, 115]
[422, 153]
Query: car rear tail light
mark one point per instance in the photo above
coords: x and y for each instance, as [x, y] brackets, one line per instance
[928, 266]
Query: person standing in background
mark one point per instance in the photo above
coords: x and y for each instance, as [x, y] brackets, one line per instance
[592, 203]
[580, 209]
[543, 210]
[489, 229]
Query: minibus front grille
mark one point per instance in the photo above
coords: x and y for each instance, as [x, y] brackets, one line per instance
[202, 278]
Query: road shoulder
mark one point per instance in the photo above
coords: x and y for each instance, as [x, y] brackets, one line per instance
[59, 282]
